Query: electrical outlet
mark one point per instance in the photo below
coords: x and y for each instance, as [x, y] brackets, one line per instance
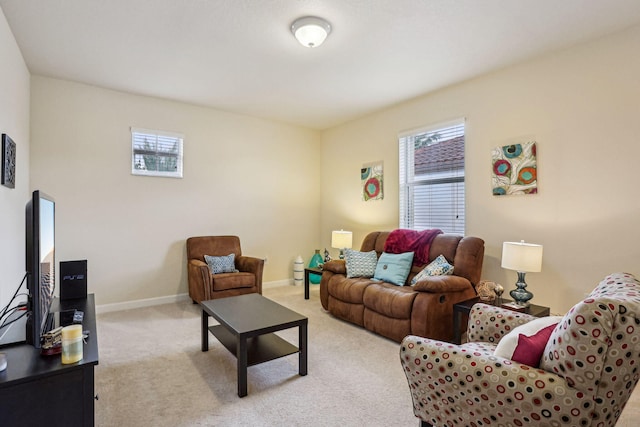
[266, 259]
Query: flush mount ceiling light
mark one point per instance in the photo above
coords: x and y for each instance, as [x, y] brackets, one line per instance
[310, 31]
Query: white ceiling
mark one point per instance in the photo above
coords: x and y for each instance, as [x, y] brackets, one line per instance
[240, 56]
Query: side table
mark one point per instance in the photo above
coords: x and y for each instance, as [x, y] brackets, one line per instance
[464, 307]
[307, 271]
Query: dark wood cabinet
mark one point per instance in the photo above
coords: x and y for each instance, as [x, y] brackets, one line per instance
[38, 390]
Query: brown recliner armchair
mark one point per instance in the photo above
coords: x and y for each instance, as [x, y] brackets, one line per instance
[203, 285]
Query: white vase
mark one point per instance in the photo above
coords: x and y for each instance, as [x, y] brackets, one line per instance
[298, 271]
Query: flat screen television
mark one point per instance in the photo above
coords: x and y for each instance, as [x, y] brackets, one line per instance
[40, 265]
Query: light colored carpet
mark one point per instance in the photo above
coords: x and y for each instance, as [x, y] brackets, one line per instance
[152, 373]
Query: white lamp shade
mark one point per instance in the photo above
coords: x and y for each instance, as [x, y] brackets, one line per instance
[341, 239]
[521, 256]
[310, 31]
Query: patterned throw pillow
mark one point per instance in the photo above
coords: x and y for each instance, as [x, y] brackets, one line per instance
[394, 268]
[360, 264]
[221, 264]
[525, 344]
[437, 267]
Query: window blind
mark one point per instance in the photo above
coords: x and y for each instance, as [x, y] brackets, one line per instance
[432, 178]
[156, 153]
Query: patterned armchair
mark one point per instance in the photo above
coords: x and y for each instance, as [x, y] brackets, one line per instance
[588, 369]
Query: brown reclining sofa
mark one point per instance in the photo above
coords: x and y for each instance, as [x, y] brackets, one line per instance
[424, 309]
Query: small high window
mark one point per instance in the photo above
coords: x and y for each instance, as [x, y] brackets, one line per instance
[156, 153]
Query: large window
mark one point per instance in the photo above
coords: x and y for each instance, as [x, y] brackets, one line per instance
[432, 178]
[156, 153]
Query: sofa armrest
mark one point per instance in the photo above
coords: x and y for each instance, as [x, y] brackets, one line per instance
[443, 376]
[336, 266]
[444, 283]
[251, 265]
[489, 323]
[199, 277]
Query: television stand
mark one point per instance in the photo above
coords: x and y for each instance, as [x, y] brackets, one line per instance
[40, 390]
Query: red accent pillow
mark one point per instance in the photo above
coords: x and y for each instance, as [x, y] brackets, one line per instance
[530, 348]
[525, 344]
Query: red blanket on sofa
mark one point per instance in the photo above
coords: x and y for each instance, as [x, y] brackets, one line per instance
[418, 242]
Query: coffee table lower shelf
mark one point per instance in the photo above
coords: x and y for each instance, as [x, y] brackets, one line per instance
[260, 349]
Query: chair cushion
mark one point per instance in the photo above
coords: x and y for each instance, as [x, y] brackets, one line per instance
[437, 267]
[525, 344]
[224, 281]
[360, 264]
[221, 264]
[394, 268]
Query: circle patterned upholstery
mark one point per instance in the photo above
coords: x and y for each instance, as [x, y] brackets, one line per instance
[588, 371]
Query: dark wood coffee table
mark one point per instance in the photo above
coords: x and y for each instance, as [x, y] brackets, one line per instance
[246, 329]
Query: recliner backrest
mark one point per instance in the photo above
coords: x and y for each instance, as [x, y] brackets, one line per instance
[596, 346]
[466, 254]
[198, 247]
[374, 241]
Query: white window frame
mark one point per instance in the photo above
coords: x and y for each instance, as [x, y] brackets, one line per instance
[448, 214]
[138, 168]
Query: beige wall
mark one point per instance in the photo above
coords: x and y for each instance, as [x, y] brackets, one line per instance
[242, 175]
[14, 121]
[583, 107]
[283, 188]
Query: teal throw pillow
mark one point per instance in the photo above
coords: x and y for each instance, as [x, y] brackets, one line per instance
[221, 264]
[394, 268]
[438, 267]
[360, 264]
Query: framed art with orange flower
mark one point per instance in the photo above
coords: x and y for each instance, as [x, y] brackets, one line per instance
[515, 169]
[371, 176]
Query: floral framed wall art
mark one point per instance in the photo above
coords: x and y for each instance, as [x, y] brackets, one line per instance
[515, 169]
[371, 176]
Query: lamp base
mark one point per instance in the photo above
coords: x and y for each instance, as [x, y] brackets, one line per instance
[521, 295]
[341, 254]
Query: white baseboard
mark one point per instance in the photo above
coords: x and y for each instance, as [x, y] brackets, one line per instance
[277, 283]
[148, 302]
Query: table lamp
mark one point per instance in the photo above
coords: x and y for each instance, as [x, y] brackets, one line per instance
[523, 258]
[341, 240]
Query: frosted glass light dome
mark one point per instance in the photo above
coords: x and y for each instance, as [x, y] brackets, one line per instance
[310, 31]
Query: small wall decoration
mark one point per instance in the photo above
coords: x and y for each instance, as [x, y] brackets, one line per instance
[515, 169]
[371, 176]
[8, 161]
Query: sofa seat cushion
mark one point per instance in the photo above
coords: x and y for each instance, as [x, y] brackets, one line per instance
[395, 329]
[224, 281]
[348, 290]
[390, 300]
